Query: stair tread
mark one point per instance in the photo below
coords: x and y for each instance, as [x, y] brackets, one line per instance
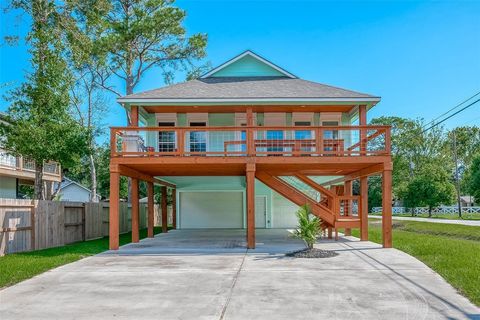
[348, 219]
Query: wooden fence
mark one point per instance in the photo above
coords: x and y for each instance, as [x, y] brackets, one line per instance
[27, 225]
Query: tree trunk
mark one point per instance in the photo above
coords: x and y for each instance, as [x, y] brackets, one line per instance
[129, 87]
[38, 187]
[93, 176]
[57, 187]
[429, 212]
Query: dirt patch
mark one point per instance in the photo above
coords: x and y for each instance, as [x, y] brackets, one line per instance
[312, 253]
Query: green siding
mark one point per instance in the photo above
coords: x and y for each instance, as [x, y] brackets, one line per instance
[221, 119]
[260, 119]
[181, 119]
[151, 136]
[248, 66]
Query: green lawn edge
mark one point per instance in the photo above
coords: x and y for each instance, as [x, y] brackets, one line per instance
[453, 251]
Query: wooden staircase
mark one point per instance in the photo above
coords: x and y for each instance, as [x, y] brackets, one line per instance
[334, 209]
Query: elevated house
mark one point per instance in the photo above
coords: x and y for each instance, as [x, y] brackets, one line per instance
[17, 170]
[247, 143]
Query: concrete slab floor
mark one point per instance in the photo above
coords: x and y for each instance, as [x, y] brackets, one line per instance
[209, 274]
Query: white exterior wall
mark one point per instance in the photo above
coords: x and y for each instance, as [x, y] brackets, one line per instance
[283, 212]
[210, 209]
[74, 193]
[8, 187]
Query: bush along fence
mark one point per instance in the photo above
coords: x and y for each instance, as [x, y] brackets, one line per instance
[423, 210]
[27, 225]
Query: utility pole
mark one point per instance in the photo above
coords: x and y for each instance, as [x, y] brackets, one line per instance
[457, 183]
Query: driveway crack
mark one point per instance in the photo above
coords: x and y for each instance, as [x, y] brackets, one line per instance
[234, 282]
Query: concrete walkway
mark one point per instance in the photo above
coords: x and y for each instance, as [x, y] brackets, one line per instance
[210, 275]
[475, 223]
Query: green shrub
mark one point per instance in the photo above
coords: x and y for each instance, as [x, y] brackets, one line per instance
[309, 226]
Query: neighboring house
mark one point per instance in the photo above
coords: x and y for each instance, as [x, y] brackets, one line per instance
[467, 201]
[73, 191]
[246, 144]
[17, 171]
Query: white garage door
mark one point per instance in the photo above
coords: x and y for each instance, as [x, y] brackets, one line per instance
[211, 210]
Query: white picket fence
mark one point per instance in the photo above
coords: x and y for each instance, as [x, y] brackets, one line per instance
[420, 210]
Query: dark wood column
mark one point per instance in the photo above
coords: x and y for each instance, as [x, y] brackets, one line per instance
[164, 210]
[364, 208]
[114, 227]
[174, 208]
[150, 208]
[250, 177]
[135, 210]
[387, 208]
[134, 116]
[362, 120]
[348, 192]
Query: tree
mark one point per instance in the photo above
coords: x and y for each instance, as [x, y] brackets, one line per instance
[40, 127]
[473, 178]
[413, 148]
[309, 226]
[466, 146]
[145, 34]
[87, 59]
[430, 187]
[138, 36]
[374, 192]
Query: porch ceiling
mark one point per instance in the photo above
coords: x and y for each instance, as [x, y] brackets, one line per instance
[206, 166]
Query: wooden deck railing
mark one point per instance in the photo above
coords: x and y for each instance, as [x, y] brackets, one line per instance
[21, 164]
[250, 141]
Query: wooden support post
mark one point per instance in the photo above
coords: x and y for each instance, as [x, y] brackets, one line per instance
[347, 210]
[134, 116]
[32, 225]
[364, 208]
[387, 208]
[250, 172]
[250, 134]
[84, 227]
[174, 208]
[164, 210]
[114, 210]
[362, 120]
[150, 208]
[135, 211]
[330, 232]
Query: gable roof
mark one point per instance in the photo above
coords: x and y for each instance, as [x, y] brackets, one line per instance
[232, 82]
[67, 182]
[243, 89]
[252, 58]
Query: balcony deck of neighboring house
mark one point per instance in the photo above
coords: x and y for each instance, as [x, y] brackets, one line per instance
[283, 137]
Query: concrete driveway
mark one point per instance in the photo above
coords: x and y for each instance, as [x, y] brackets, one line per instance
[208, 274]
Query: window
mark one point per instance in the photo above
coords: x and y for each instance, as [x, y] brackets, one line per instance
[330, 134]
[166, 139]
[302, 134]
[330, 137]
[198, 139]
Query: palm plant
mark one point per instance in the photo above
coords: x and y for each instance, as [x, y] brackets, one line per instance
[309, 226]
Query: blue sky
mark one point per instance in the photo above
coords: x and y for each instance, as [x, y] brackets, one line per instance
[421, 57]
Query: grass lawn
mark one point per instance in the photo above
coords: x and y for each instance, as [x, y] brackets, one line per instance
[465, 216]
[453, 251]
[21, 266]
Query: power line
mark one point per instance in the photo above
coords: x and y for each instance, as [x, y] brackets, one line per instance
[451, 109]
[445, 119]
